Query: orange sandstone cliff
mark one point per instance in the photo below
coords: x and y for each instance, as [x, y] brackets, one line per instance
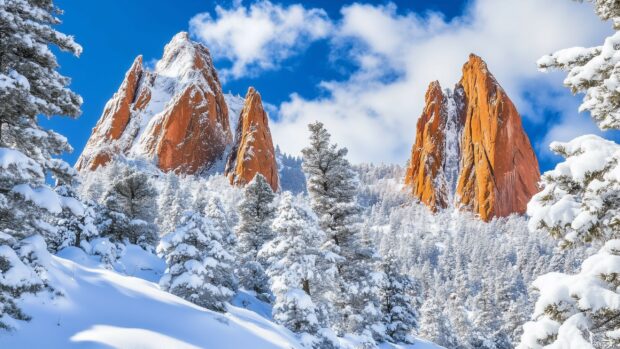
[424, 174]
[471, 150]
[175, 115]
[253, 150]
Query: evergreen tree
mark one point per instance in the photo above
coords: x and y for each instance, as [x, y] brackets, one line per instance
[591, 189]
[513, 319]
[172, 201]
[256, 213]
[296, 266]
[295, 310]
[456, 313]
[16, 279]
[130, 210]
[485, 321]
[580, 204]
[434, 325]
[593, 70]
[75, 225]
[30, 86]
[199, 267]
[331, 185]
[400, 302]
[510, 308]
[214, 210]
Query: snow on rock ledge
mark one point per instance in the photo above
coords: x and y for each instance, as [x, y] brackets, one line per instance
[175, 115]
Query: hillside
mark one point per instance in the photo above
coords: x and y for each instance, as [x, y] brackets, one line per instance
[101, 308]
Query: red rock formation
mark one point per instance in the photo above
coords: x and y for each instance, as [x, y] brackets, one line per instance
[498, 170]
[113, 121]
[428, 152]
[253, 151]
[175, 115]
[499, 173]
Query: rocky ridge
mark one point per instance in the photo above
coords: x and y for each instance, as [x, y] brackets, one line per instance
[471, 151]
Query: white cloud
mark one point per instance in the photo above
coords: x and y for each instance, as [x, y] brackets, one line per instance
[375, 117]
[571, 126]
[259, 37]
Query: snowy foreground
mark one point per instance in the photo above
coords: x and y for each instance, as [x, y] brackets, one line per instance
[103, 308]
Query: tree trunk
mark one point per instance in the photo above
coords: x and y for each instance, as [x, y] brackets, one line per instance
[306, 286]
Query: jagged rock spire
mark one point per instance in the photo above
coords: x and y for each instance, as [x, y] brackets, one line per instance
[425, 175]
[471, 150]
[175, 115]
[253, 150]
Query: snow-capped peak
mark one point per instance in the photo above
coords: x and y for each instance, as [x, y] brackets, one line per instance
[174, 115]
[185, 60]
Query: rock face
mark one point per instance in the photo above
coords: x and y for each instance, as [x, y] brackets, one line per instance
[174, 115]
[471, 150]
[253, 150]
[425, 173]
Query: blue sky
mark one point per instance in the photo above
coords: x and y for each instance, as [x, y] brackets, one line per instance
[361, 67]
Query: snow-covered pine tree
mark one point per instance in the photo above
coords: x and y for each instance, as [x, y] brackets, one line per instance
[297, 267]
[580, 203]
[511, 309]
[172, 201]
[256, 213]
[16, 279]
[199, 267]
[400, 302]
[434, 325]
[331, 184]
[585, 187]
[200, 199]
[94, 185]
[30, 86]
[486, 325]
[130, 210]
[214, 210]
[75, 225]
[512, 320]
[593, 70]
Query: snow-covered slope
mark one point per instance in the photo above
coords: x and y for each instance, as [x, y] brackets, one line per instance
[101, 308]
